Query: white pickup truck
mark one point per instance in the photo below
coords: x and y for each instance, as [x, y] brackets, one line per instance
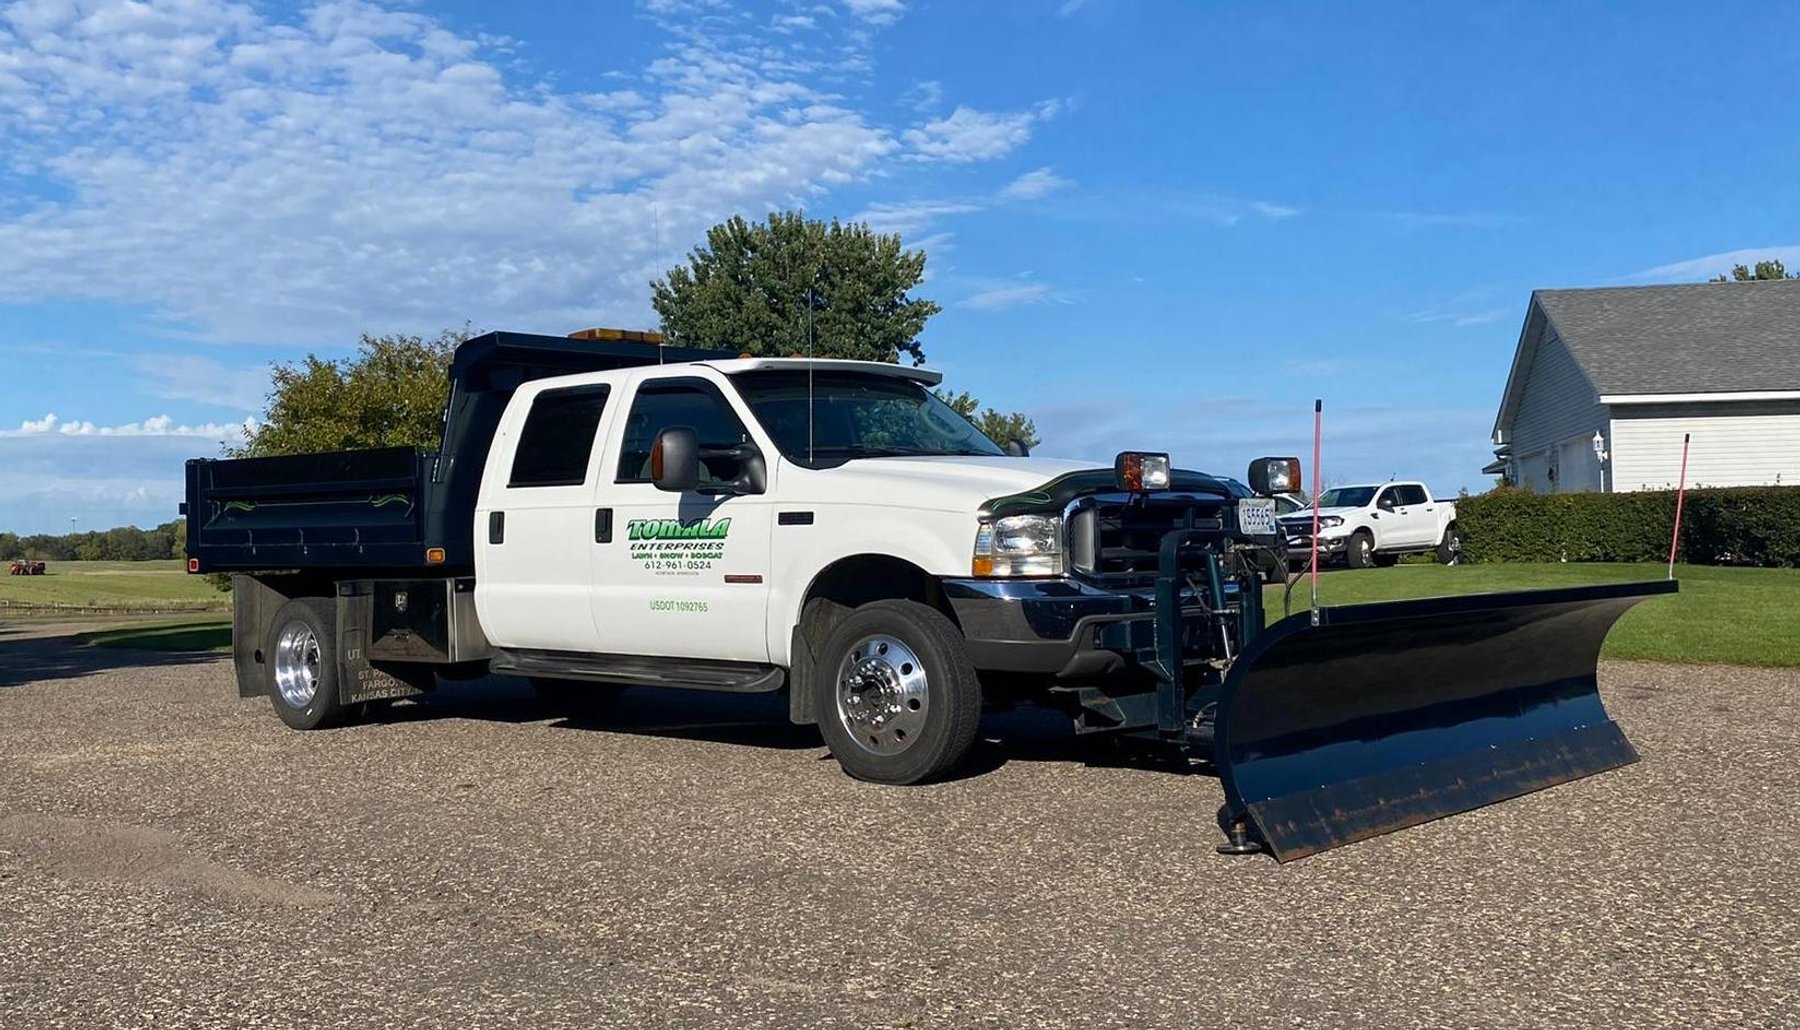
[605, 512]
[1374, 524]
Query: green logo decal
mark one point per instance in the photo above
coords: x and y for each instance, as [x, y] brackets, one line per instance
[675, 529]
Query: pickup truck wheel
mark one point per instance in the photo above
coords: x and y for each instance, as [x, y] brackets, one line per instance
[900, 702]
[1361, 552]
[302, 664]
[1449, 549]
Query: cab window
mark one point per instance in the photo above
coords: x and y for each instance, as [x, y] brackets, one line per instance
[694, 403]
[558, 437]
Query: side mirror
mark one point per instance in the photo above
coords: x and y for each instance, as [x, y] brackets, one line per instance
[675, 460]
[753, 470]
[1275, 476]
[1017, 448]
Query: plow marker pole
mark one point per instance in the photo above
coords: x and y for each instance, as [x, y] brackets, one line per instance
[1680, 495]
[1318, 423]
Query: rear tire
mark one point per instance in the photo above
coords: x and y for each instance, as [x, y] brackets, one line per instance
[301, 673]
[898, 700]
[1360, 554]
[1449, 550]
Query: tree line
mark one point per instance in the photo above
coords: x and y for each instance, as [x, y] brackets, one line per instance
[121, 543]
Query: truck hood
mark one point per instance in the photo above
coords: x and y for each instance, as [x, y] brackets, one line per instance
[947, 483]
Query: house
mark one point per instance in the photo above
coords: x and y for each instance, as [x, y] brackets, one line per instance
[1626, 371]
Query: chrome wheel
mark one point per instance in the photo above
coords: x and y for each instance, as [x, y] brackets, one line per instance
[297, 664]
[882, 695]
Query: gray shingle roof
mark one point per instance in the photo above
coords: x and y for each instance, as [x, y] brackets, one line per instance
[1694, 338]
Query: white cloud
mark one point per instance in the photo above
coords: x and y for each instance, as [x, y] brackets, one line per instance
[1032, 185]
[156, 425]
[1702, 268]
[924, 96]
[1003, 297]
[298, 179]
[911, 216]
[1068, 7]
[1229, 211]
[879, 12]
[966, 135]
[190, 377]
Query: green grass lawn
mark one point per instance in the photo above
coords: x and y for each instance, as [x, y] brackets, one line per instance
[120, 585]
[1733, 616]
[210, 634]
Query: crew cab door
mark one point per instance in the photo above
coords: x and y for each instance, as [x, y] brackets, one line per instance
[680, 574]
[1414, 519]
[532, 520]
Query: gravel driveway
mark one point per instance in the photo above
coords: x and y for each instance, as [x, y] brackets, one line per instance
[172, 856]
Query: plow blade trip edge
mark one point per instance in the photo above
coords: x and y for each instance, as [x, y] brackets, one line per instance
[1388, 715]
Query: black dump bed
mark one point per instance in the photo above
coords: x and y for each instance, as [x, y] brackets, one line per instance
[393, 507]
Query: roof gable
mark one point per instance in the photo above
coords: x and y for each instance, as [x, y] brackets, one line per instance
[1686, 339]
[1693, 338]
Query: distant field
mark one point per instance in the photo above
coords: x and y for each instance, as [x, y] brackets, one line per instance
[1731, 616]
[112, 585]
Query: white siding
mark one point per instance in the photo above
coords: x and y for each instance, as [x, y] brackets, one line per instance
[1557, 404]
[1755, 445]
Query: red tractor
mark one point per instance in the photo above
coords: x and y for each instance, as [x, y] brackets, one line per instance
[26, 567]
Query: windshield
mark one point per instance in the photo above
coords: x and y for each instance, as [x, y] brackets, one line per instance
[1347, 497]
[856, 415]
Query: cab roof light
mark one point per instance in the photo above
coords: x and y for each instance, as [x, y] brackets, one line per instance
[626, 335]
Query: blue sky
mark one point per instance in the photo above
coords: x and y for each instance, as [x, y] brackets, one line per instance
[1162, 225]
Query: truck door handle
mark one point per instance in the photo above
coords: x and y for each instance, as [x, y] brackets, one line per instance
[603, 525]
[496, 527]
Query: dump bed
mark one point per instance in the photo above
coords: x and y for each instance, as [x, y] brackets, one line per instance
[344, 508]
[391, 508]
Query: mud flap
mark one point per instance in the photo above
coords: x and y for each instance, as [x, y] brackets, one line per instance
[1384, 716]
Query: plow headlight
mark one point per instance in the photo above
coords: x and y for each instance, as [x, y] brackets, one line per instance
[1275, 476]
[1019, 545]
[1138, 471]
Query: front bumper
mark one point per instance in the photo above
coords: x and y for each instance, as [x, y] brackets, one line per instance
[1299, 542]
[1063, 627]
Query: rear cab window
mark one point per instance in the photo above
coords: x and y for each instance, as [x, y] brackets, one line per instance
[558, 437]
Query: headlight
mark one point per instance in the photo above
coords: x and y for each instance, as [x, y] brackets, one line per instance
[1019, 545]
[1330, 521]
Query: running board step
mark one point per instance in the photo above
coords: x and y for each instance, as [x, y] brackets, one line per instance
[642, 670]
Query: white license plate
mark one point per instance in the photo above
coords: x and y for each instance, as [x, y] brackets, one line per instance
[1256, 516]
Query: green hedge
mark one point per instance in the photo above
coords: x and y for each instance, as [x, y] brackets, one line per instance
[1754, 525]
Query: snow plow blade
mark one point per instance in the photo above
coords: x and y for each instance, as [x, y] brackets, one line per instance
[1384, 716]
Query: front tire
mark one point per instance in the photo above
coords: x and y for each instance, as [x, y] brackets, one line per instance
[302, 668]
[899, 701]
[1361, 552]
